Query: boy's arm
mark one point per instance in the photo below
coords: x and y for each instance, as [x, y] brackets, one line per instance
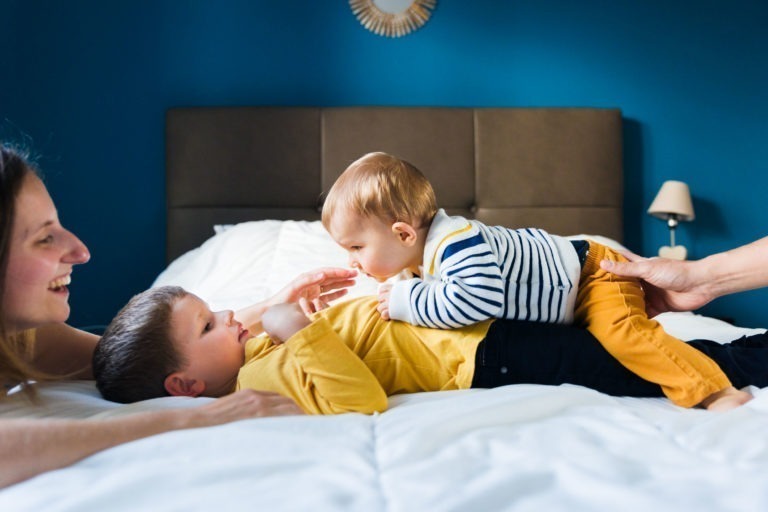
[468, 288]
[282, 321]
[319, 371]
[312, 290]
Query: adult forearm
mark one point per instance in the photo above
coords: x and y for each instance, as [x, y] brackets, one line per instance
[29, 447]
[737, 270]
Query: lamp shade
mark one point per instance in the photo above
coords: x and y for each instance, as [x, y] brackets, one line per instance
[674, 198]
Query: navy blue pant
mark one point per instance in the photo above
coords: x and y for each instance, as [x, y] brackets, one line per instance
[516, 352]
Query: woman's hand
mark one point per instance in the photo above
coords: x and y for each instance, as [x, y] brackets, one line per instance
[673, 285]
[669, 285]
[243, 404]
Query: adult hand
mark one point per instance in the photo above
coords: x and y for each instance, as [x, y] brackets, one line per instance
[243, 404]
[385, 290]
[669, 285]
[315, 289]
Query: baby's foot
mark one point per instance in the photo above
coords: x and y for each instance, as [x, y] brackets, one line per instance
[725, 400]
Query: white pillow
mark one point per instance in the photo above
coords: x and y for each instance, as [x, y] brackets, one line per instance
[249, 262]
[230, 269]
[304, 246]
[220, 228]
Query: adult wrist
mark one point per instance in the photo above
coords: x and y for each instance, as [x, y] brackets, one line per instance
[711, 276]
[178, 419]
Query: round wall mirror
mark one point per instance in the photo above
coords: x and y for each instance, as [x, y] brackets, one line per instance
[392, 18]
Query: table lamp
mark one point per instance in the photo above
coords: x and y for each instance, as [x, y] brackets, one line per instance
[673, 204]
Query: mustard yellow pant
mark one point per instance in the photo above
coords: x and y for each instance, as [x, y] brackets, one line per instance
[612, 308]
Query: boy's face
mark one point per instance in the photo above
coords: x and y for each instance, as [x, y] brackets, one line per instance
[374, 247]
[213, 344]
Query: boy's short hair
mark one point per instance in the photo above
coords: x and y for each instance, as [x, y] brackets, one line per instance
[384, 186]
[136, 352]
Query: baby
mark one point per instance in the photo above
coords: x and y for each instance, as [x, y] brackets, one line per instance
[383, 211]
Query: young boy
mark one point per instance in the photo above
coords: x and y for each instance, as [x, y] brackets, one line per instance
[166, 341]
[383, 211]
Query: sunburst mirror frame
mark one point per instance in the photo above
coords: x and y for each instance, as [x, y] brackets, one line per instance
[392, 24]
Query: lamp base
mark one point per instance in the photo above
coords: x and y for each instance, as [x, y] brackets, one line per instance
[677, 252]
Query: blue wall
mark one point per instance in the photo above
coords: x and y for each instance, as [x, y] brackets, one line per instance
[88, 83]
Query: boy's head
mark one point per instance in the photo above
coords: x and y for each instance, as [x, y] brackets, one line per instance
[379, 210]
[166, 341]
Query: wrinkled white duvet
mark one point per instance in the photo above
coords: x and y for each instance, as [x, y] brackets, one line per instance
[523, 447]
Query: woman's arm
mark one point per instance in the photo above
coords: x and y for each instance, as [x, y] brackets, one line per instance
[29, 447]
[312, 290]
[741, 269]
[62, 350]
[673, 285]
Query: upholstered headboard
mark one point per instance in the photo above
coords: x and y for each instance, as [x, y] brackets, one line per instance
[555, 168]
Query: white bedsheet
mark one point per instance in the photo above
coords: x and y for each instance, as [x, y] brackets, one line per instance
[522, 448]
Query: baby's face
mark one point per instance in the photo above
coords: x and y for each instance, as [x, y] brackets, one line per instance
[373, 247]
[213, 344]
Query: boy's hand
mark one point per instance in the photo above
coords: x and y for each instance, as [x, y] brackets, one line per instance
[282, 321]
[313, 290]
[384, 292]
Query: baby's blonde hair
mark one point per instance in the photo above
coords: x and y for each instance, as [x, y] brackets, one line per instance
[382, 185]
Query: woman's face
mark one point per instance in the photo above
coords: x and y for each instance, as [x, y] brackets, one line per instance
[40, 260]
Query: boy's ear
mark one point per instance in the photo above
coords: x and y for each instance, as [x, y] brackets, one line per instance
[405, 233]
[178, 384]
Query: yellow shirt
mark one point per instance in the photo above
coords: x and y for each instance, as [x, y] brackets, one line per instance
[350, 360]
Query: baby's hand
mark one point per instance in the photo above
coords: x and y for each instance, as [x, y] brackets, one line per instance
[282, 321]
[384, 291]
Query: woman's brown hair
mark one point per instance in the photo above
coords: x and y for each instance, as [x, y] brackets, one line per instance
[15, 347]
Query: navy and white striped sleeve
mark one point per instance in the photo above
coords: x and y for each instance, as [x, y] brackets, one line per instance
[470, 288]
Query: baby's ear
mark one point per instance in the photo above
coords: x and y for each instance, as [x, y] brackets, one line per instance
[405, 233]
[178, 384]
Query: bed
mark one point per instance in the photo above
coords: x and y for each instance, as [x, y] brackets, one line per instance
[244, 190]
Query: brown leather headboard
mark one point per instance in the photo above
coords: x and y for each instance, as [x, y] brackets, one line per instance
[555, 168]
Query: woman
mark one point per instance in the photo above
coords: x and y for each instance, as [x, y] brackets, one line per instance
[37, 256]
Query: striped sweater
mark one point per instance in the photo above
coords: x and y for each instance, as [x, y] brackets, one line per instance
[472, 272]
